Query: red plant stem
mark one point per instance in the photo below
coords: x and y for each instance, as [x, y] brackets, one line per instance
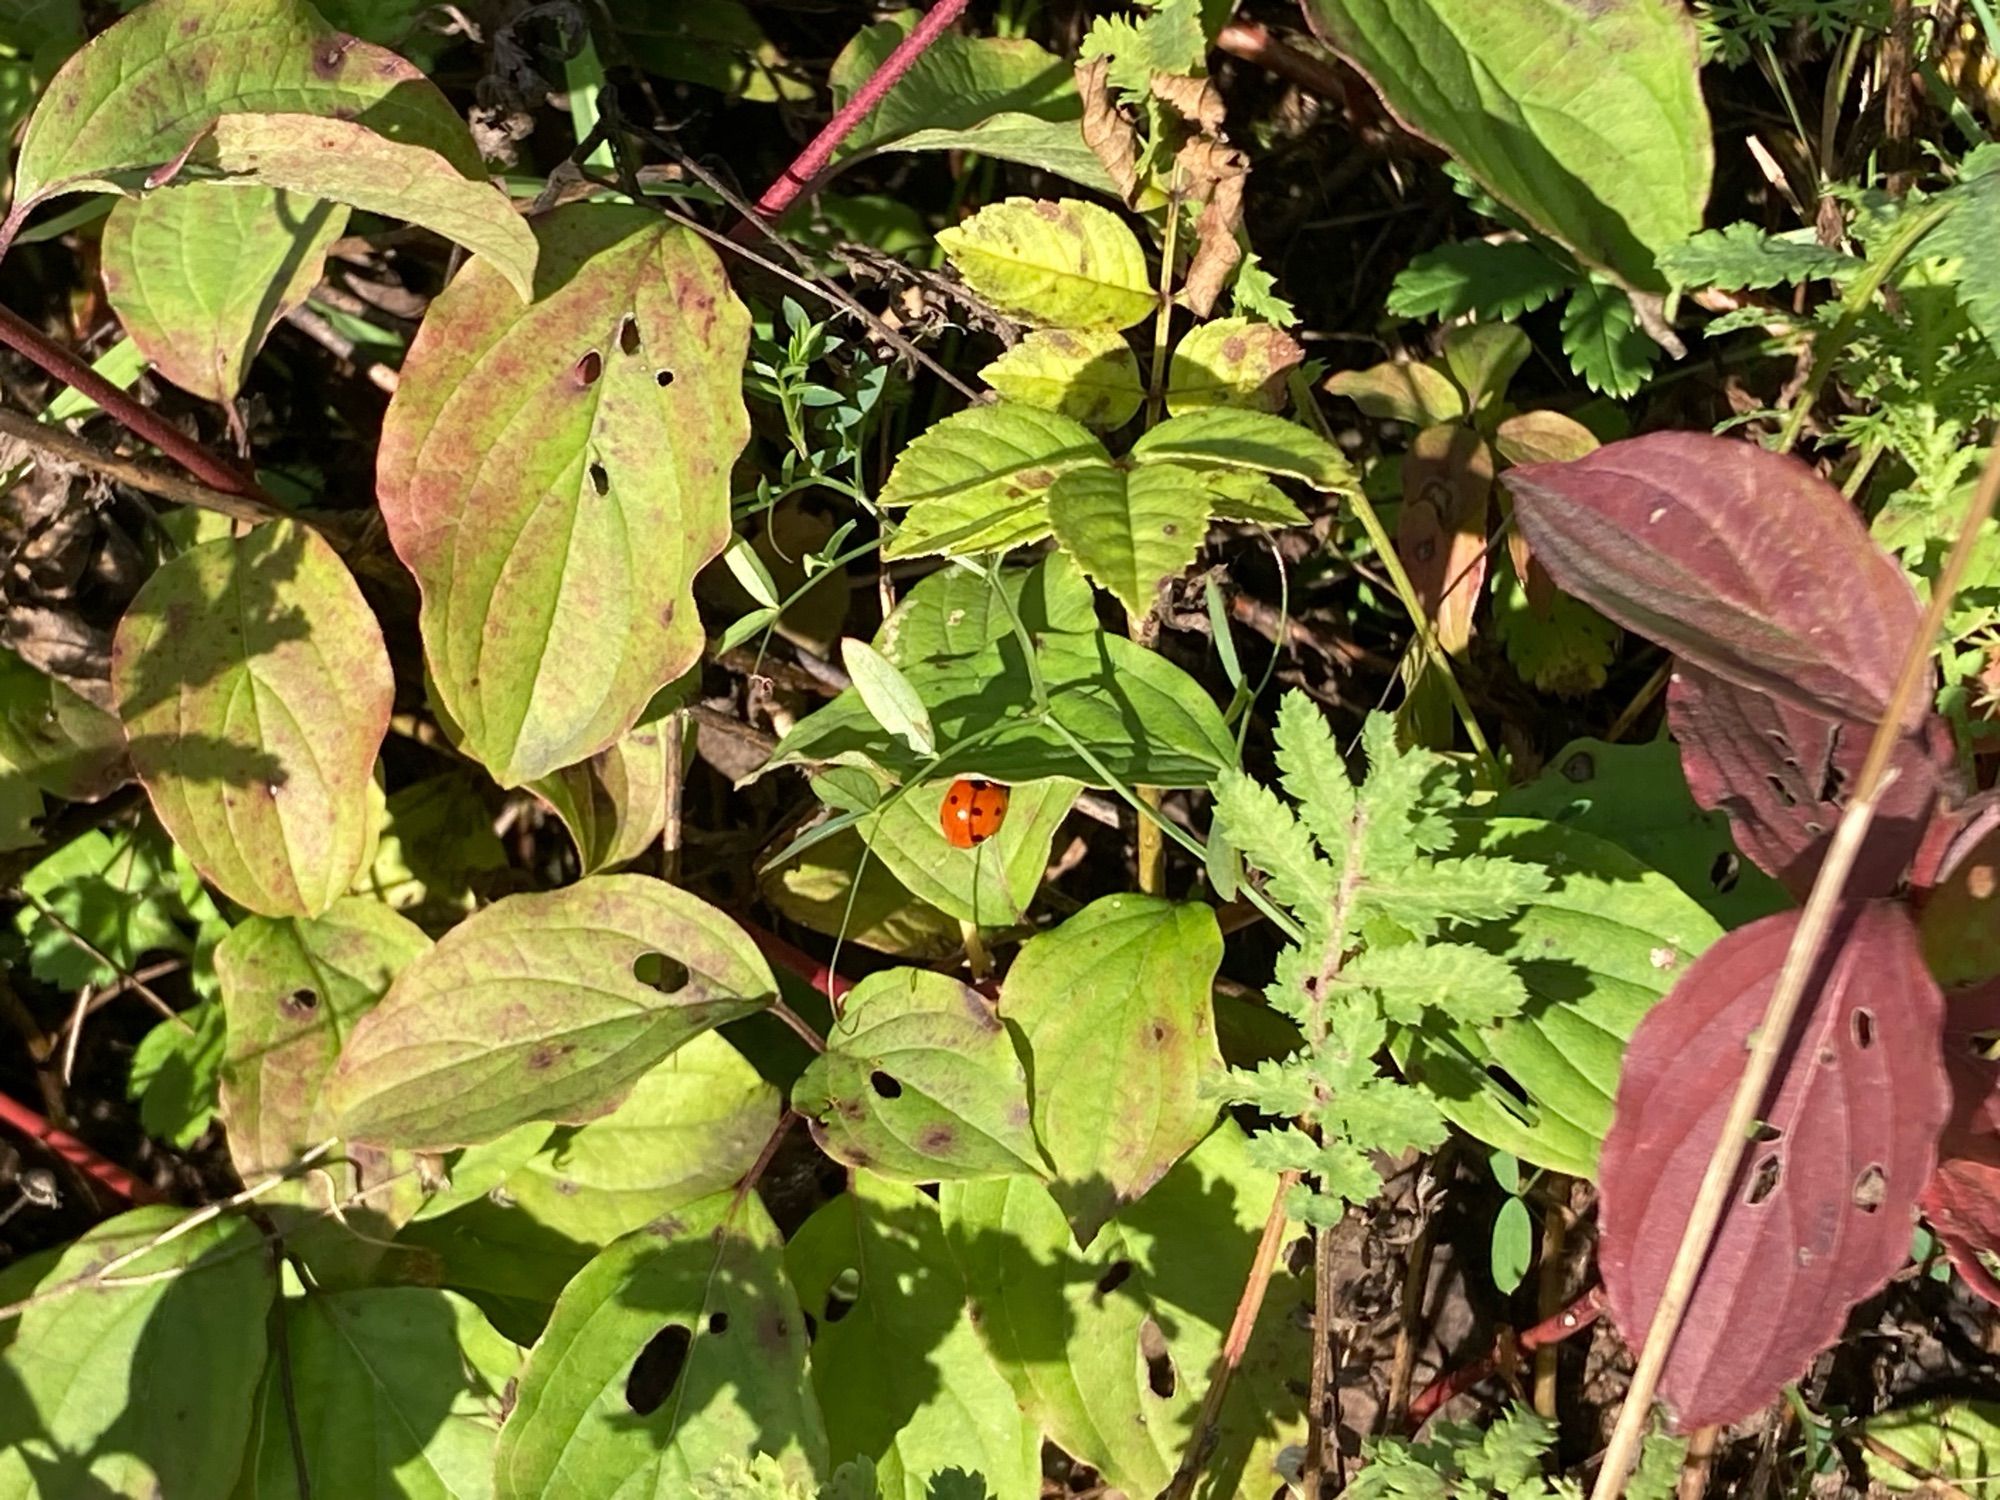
[1579, 1315]
[801, 963]
[32, 344]
[1253, 44]
[812, 161]
[78, 1155]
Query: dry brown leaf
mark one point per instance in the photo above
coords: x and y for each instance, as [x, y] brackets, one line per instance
[1212, 175]
[1441, 533]
[1194, 99]
[1106, 131]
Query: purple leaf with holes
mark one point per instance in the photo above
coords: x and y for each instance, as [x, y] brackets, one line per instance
[1742, 561]
[1818, 1217]
[1962, 1199]
[1780, 772]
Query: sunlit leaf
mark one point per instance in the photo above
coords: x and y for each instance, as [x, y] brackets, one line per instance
[1087, 374]
[1130, 530]
[1232, 438]
[1231, 362]
[1055, 263]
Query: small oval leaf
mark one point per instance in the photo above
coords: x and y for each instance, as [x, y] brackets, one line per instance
[886, 693]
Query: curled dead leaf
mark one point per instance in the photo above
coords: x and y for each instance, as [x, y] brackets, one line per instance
[1212, 175]
[1106, 131]
[1195, 100]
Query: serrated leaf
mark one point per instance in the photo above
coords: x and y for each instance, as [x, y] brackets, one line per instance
[887, 695]
[920, 1082]
[1818, 1217]
[990, 454]
[606, 1407]
[1602, 337]
[1054, 263]
[1231, 362]
[1273, 840]
[1116, 1010]
[533, 1009]
[1231, 438]
[1089, 375]
[525, 450]
[1492, 280]
[1588, 122]
[200, 273]
[1130, 530]
[255, 691]
[1565, 651]
[1420, 898]
[1964, 235]
[1405, 391]
[1742, 257]
[614, 804]
[876, 1255]
[1455, 980]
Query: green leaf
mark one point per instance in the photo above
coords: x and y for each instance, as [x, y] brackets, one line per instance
[1587, 121]
[141, 1388]
[1635, 796]
[1513, 1248]
[614, 804]
[543, 1007]
[436, 848]
[990, 885]
[1239, 495]
[1231, 438]
[31, 26]
[817, 889]
[676, 1348]
[1966, 235]
[1058, 263]
[143, 91]
[1406, 391]
[1169, 40]
[887, 695]
[1089, 375]
[1130, 530]
[175, 1069]
[1483, 358]
[715, 43]
[1602, 337]
[116, 891]
[978, 480]
[548, 626]
[1596, 951]
[199, 274]
[1143, 718]
[1565, 650]
[1115, 1007]
[400, 1391]
[877, 1255]
[1452, 981]
[55, 737]
[1956, 1442]
[1231, 362]
[1271, 837]
[920, 1082]
[1743, 258]
[1501, 281]
[255, 691]
[1003, 97]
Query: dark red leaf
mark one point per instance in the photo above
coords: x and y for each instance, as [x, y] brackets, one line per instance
[1742, 561]
[1819, 1215]
[1960, 912]
[1962, 1199]
[1781, 773]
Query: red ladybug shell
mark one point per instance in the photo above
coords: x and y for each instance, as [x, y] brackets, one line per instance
[972, 812]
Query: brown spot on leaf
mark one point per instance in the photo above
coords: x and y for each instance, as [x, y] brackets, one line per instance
[935, 1140]
[329, 56]
[547, 1054]
[1037, 479]
[1234, 348]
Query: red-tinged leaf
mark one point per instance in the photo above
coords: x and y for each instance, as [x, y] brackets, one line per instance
[1818, 1217]
[1958, 871]
[1962, 1199]
[556, 474]
[1742, 561]
[1781, 773]
[1441, 529]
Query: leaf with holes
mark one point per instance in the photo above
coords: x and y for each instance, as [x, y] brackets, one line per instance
[614, 804]
[1818, 1216]
[199, 274]
[255, 690]
[1585, 119]
[872, 1266]
[1962, 1199]
[543, 1007]
[556, 474]
[1089, 375]
[991, 884]
[1742, 561]
[1053, 263]
[143, 90]
[1780, 772]
[191, 1331]
[1115, 1008]
[1225, 437]
[1108, 1349]
[400, 1390]
[676, 1347]
[1131, 530]
[293, 991]
[920, 1082]
[1231, 362]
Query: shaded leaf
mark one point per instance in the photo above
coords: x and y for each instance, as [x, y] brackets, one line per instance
[543, 1007]
[1743, 561]
[114, 890]
[1087, 374]
[1231, 438]
[1956, 1442]
[255, 690]
[1058, 263]
[887, 695]
[1819, 1214]
[1960, 914]
[175, 1071]
[1115, 1007]
[815, 888]
[1231, 362]
[1502, 280]
[1602, 337]
[55, 737]
[553, 435]
[920, 1082]
[614, 804]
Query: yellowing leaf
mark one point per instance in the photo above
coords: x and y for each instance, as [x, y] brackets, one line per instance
[1131, 530]
[1232, 362]
[614, 804]
[1089, 374]
[1401, 392]
[1053, 263]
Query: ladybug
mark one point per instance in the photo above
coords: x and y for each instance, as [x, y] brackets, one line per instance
[972, 812]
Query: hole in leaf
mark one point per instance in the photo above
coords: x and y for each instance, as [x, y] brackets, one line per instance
[1764, 1180]
[842, 1295]
[656, 1369]
[1581, 766]
[1784, 793]
[1862, 1020]
[1814, 828]
[299, 1003]
[589, 368]
[600, 478]
[663, 378]
[1832, 784]
[884, 1085]
[1160, 1375]
[718, 1322]
[1766, 1133]
[1507, 1082]
[1723, 873]
[658, 972]
[628, 334]
[1870, 1188]
[1115, 1275]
